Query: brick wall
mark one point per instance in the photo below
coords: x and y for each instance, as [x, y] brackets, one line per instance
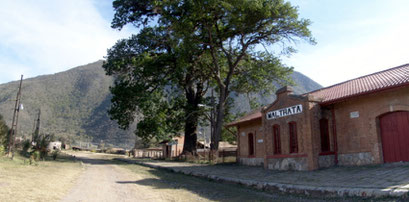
[361, 134]
[244, 130]
[358, 136]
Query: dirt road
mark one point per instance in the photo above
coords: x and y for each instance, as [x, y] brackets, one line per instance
[105, 179]
[101, 181]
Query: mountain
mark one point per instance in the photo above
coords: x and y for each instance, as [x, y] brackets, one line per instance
[74, 104]
[303, 84]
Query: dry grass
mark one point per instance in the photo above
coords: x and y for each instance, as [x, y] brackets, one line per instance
[42, 181]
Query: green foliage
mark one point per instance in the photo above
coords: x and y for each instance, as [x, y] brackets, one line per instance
[55, 154]
[42, 141]
[26, 144]
[71, 102]
[224, 36]
[3, 133]
[157, 74]
[35, 156]
[2, 149]
[162, 119]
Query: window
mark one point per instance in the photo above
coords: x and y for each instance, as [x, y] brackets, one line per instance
[251, 144]
[325, 145]
[276, 137]
[293, 137]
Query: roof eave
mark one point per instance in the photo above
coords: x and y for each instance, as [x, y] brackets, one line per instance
[330, 102]
[241, 122]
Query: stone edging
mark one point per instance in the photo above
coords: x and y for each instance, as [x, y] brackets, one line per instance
[289, 188]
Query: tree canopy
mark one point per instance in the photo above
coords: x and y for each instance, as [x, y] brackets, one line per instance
[211, 42]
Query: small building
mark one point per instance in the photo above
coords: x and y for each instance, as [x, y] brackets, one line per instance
[172, 148]
[357, 122]
[54, 146]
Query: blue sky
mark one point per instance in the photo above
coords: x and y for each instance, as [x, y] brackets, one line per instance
[354, 38]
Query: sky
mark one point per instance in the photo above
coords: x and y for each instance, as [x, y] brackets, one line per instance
[354, 38]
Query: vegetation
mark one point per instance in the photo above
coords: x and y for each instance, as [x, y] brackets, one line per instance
[73, 106]
[84, 117]
[194, 45]
[41, 181]
[3, 135]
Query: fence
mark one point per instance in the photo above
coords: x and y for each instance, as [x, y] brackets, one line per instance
[148, 153]
[228, 155]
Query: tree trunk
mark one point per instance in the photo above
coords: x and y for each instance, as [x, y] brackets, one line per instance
[194, 97]
[191, 122]
[214, 146]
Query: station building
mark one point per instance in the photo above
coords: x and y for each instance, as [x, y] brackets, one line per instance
[357, 122]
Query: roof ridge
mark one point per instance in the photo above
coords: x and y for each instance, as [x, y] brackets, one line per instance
[397, 67]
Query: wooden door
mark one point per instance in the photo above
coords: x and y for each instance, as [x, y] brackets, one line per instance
[395, 136]
[251, 144]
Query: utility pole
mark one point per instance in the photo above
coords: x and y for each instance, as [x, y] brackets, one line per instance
[13, 130]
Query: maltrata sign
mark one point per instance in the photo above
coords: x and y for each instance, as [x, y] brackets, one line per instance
[296, 109]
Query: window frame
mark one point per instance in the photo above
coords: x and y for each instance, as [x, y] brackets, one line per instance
[276, 139]
[293, 138]
[251, 139]
[324, 135]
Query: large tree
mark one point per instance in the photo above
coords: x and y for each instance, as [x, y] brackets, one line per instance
[157, 74]
[229, 36]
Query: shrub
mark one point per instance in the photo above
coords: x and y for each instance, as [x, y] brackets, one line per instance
[55, 154]
[35, 155]
[2, 149]
[26, 146]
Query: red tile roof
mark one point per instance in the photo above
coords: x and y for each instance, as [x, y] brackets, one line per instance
[256, 114]
[382, 80]
[390, 78]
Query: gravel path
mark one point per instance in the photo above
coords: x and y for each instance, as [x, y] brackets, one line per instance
[102, 181]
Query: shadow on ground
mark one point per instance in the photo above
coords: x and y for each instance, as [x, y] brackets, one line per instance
[164, 179]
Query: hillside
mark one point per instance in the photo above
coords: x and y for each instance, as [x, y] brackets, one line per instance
[303, 85]
[74, 103]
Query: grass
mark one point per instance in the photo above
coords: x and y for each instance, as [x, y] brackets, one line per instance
[42, 181]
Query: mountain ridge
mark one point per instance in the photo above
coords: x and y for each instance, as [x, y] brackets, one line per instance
[74, 104]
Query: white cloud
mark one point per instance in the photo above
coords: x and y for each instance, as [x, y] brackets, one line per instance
[46, 36]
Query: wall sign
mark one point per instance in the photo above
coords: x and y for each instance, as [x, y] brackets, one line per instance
[354, 114]
[296, 109]
[260, 140]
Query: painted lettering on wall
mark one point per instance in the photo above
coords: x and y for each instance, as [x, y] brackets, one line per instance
[296, 109]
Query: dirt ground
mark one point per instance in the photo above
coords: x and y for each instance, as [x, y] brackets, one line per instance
[99, 182]
[99, 177]
[105, 179]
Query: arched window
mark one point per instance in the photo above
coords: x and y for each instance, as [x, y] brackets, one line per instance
[251, 144]
[293, 137]
[276, 139]
[325, 145]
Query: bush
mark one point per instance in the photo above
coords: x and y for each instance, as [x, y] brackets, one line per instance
[55, 154]
[26, 146]
[2, 150]
[35, 155]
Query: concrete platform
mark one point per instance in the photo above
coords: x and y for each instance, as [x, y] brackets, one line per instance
[387, 180]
